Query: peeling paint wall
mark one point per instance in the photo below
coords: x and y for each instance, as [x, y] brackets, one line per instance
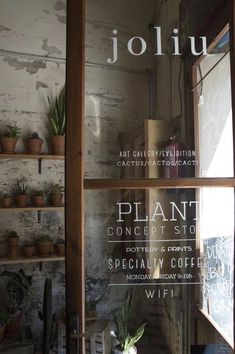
[32, 65]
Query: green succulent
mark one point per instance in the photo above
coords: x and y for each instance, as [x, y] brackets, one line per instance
[56, 113]
[45, 238]
[13, 132]
[125, 334]
[56, 189]
[20, 188]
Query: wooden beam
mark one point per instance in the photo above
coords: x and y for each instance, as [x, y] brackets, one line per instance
[160, 183]
[74, 216]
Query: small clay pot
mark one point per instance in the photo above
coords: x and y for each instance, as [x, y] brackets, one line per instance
[13, 252]
[58, 144]
[13, 328]
[21, 200]
[44, 248]
[34, 146]
[38, 200]
[13, 241]
[29, 251]
[8, 145]
[60, 249]
[56, 199]
[2, 330]
[7, 202]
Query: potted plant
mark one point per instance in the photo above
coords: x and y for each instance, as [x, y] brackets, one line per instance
[127, 334]
[45, 245]
[34, 144]
[17, 287]
[13, 245]
[6, 201]
[9, 139]
[4, 320]
[60, 247]
[13, 239]
[38, 198]
[56, 119]
[56, 194]
[28, 249]
[21, 194]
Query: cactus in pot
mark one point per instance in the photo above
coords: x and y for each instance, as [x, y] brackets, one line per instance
[50, 326]
[34, 144]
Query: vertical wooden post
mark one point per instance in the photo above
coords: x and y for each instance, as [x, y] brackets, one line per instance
[74, 215]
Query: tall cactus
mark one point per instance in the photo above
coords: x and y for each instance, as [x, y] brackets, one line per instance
[50, 326]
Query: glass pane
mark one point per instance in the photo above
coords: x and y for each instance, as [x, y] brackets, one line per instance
[172, 250]
[138, 113]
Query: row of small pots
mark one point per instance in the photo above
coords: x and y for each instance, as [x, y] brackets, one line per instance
[43, 247]
[34, 144]
[21, 200]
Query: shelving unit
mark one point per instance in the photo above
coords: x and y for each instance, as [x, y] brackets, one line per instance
[31, 208]
[35, 259]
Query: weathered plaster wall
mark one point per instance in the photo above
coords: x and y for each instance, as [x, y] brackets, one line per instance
[32, 65]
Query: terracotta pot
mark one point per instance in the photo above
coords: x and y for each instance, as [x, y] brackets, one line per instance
[13, 252]
[13, 328]
[29, 251]
[7, 202]
[56, 199]
[132, 350]
[34, 146]
[2, 330]
[58, 144]
[38, 200]
[13, 241]
[21, 200]
[44, 248]
[8, 145]
[60, 249]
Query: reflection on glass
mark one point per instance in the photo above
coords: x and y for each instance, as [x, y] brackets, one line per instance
[168, 247]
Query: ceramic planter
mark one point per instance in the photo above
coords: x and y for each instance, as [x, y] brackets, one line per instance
[34, 146]
[13, 252]
[21, 200]
[13, 327]
[60, 249]
[38, 200]
[7, 202]
[56, 199]
[29, 251]
[132, 350]
[58, 144]
[13, 241]
[44, 248]
[2, 330]
[8, 145]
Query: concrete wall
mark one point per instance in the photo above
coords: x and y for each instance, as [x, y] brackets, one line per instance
[32, 64]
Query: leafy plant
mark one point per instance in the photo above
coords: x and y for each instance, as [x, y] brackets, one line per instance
[45, 238]
[35, 135]
[39, 194]
[17, 286]
[125, 335]
[13, 234]
[56, 189]
[6, 196]
[13, 132]
[4, 318]
[56, 113]
[60, 241]
[28, 244]
[20, 188]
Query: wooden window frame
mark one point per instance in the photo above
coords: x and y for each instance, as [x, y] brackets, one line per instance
[76, 184]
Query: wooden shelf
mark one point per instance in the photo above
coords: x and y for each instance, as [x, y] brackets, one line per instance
[31, 157]
[35, 259]
[31, 208]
